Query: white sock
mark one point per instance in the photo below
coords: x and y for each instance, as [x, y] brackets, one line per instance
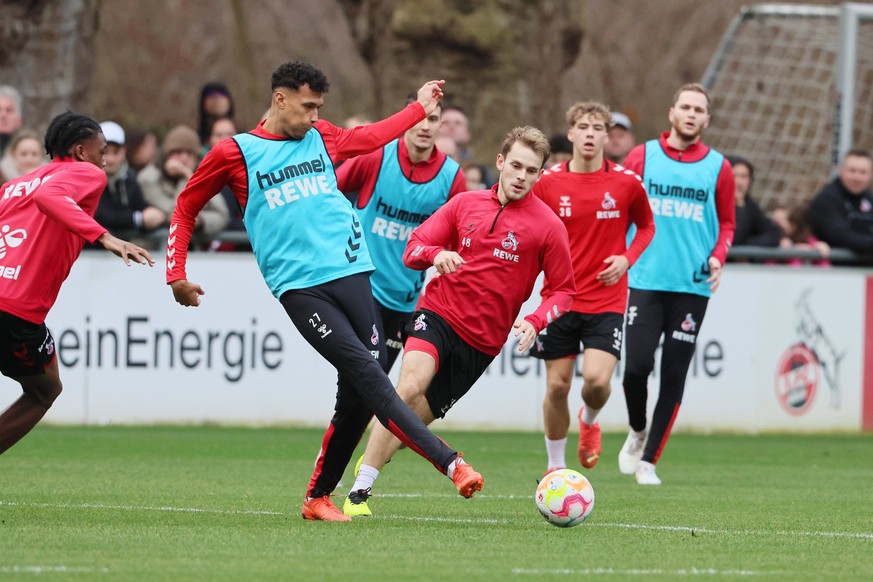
[556, 449]
[367, 476]
[450, 471]
[589, 415]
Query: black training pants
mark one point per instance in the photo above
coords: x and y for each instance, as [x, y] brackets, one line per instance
[339, 320]
[650, 314]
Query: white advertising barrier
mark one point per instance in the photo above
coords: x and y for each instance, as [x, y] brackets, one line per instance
[780, 349]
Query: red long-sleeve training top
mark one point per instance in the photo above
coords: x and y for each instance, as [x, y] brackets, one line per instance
[45, 218]
[504, 248]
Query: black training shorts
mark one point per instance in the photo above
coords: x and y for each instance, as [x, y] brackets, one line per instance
[25, 348]
[599, 331]
[460, 364]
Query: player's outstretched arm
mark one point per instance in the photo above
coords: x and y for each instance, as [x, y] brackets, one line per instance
[126, 250]
[187, 293]
[430, 94]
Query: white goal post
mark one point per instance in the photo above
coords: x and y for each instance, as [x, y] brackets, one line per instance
[792, 90]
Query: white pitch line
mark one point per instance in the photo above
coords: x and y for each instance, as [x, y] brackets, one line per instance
[102, 506]
[51, 569]
[676, 528]
[644, 572]
[749, 532]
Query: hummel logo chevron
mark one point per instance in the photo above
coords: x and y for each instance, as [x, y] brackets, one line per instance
[702, 274]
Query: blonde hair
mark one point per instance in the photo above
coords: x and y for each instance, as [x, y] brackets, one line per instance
[594, 108]
[530, 137]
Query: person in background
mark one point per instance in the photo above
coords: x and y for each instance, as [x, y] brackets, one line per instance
[621, 138]
[161, 185]
[221, 128]
[797, 234]
[562, 149]
[456, 126]
[11, 118]
[448, 146]
[24, 155]
[474, 176]
[224, 128]
[47, 218]
[672, 281]
[216, 102]
[122, 206]
[841, 214]
[310, 248]
[141, 148]
[753, 227]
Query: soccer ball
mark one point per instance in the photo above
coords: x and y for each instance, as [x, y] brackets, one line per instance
[565, 498]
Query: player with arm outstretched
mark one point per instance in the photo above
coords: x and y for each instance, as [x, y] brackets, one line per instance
[46, 217]
[309, 245]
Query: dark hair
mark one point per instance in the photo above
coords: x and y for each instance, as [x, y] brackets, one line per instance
[135, 138]
[733, 160]
[66, 130]
[413, 97]
[295, 74]
[206, 119]
[858, 153]
[560, 144]
[798, 216]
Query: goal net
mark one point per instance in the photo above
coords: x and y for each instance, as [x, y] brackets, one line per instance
[792, 91]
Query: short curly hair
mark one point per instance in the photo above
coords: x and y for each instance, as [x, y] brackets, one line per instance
[295, 74]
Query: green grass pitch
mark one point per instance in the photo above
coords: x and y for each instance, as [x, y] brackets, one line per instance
[223, 503]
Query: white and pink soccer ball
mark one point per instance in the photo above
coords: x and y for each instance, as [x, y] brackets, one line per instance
[565, 497]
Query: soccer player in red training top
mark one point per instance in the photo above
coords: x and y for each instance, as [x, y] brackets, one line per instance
[396, 188]
[488, 246]
[691, 191]
[45, 218]
[309, 245]
[599, 202]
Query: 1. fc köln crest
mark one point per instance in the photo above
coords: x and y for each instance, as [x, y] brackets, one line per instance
[803, 365]
[797, 379]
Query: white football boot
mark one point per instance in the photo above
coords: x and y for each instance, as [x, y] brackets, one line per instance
[631, 452]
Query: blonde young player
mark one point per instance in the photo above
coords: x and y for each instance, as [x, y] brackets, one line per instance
[599, 202]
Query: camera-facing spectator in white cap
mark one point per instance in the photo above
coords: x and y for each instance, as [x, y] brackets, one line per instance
[621, 138]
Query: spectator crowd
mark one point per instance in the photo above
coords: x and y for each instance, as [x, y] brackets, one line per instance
[146, 174]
